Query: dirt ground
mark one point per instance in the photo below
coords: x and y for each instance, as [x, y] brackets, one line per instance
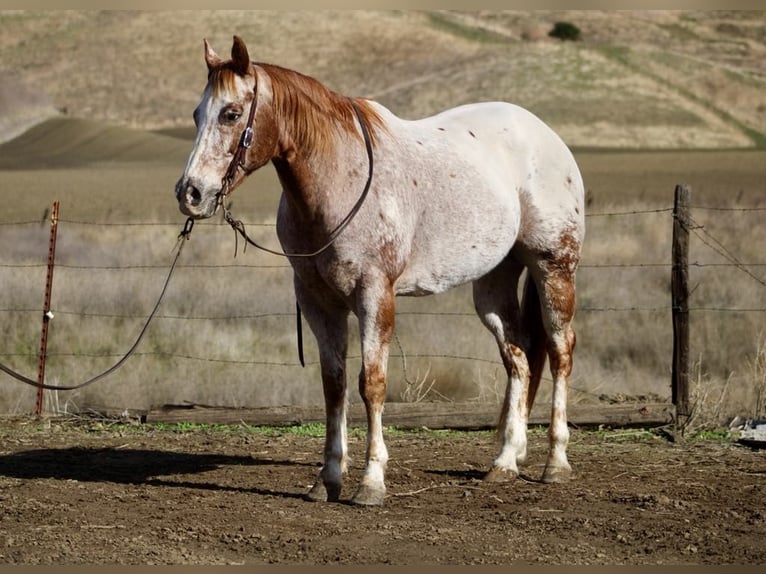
[100, 494]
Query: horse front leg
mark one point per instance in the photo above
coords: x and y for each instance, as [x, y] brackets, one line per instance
[335, 464]
[376, 311]
[330, 327]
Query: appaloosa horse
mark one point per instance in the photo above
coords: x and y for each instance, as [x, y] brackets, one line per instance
[374, 206]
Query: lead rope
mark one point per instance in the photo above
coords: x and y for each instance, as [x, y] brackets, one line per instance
[183, 237]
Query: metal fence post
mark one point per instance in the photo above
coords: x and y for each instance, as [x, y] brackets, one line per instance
[47, 315]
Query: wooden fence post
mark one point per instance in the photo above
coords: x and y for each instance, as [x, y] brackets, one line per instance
[679, 286]
[47, 315]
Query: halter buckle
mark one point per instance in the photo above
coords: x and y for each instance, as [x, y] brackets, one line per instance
[186, 232]
[247, 138]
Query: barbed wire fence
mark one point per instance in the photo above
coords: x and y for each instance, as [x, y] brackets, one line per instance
[728, 262]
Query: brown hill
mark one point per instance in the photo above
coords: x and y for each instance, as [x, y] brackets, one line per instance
[72, 142]
[21, 107]
[636, 79]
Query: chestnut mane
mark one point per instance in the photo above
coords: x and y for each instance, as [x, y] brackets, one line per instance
[311, 112]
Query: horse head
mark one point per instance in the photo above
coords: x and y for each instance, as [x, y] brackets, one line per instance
[237, 97]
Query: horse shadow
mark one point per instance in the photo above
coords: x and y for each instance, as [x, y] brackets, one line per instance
[134, 467]
[474, 475]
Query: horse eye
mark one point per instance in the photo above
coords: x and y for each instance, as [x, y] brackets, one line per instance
[230, 115]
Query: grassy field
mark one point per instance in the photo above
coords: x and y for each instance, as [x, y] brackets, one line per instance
[225, 335]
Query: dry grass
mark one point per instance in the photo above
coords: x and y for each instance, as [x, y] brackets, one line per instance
[226, 334]
[709, 398]
[758, 375]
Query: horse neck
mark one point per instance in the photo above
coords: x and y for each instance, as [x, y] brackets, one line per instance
[320, 153]
[320, 182]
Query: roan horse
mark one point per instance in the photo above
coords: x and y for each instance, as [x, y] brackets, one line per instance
[477, 193]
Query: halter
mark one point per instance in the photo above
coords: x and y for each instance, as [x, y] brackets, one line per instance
[238, 161]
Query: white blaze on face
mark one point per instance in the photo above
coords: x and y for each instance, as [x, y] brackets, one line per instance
[219, 123]
[207, 133]
[197, 187]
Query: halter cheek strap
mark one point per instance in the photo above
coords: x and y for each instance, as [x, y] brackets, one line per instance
[245, 141]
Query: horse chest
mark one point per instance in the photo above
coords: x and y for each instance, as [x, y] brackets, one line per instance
[332, 278]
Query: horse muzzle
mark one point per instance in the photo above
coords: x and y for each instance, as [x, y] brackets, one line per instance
[194, 202]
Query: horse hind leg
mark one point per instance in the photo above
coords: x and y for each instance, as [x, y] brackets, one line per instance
[496, 303]
[557, 288]
[537, 352]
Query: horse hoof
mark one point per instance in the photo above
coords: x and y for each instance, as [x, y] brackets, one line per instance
[323, 493]
[369, 496]
[556, 474]
[498, 474]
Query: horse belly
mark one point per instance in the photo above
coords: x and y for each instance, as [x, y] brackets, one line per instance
[436, 278]
[460, 241]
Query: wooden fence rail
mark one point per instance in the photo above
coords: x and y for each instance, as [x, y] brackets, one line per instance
[432, 415]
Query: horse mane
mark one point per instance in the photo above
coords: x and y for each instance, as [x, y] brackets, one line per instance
[311, 112]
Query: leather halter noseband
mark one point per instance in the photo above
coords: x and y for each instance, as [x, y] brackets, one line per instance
[238, 161]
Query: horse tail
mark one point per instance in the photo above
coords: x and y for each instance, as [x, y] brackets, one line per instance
[537, 351]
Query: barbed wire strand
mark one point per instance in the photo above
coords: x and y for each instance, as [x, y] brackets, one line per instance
[250, 266]
[634, 212]
[740, 209]
[721, 249]
[213, 224]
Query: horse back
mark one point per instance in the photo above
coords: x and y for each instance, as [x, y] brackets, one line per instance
[524, 157]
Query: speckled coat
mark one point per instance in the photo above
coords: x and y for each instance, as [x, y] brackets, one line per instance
[475, 194]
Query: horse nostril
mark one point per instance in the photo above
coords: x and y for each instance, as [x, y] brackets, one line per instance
[193, 195]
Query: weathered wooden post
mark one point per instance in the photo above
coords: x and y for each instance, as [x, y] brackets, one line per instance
[679, 286]
[47, 315]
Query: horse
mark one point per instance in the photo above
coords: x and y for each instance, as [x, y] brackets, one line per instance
[478, 193]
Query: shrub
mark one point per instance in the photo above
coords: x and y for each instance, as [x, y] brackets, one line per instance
[565, 31]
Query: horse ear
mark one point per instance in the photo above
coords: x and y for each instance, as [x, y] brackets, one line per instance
[239, 56]
[211, 58]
